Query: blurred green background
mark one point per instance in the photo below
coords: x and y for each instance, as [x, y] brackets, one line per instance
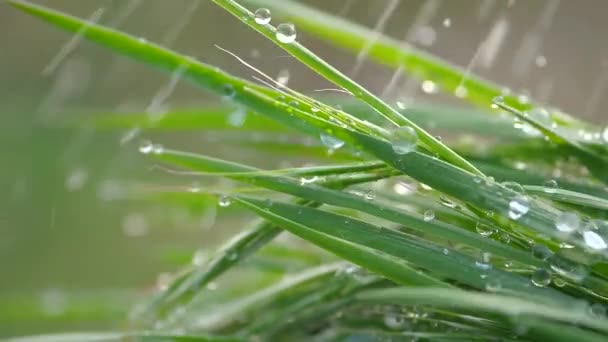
[69, 238]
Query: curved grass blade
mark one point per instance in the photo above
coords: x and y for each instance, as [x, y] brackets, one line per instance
[121, 336]
[344, 235]
[398, 54]
[338, 198]
[373, 260]
[332, 74]
[488, 303]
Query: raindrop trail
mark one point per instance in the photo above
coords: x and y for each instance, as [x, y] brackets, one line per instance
[126, 13]
[528, 50]
[599, 89]
[378, 29]
[174, 32]
[71, 44]
[165, 92]
[493, 42]
[348, 4]
[425, 14]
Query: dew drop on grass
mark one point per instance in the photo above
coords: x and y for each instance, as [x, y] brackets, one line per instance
[594, 240]
[228, 91]
[541, 277]
[370, 195]
[286, 33]
[395, 321]
[550, 185]
[404, 140]
[429, 87]
[567, 222]
[262, 16]
[568, 269]
[518, 207]
[146, 147]
[224, 201]
[429, 215]
[308, 180]
[541, 252]
[237, 117]
[158, 149]
[514, 186]
[493, 285]
[483, 229]
[331, 142]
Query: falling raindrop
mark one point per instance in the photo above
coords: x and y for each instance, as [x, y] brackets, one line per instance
[567, 222]
[425, 35]
[541, 61]
[331, 142]
[283, 77]
[404, 140]
[262, 16]
[447, 22]
[518, 207]
[199, 258]
[224, 201]
[145, 147]
[541, 277]
[429, 215]
[594, 240]
[286, 33]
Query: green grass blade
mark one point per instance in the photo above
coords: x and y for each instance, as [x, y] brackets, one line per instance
[121, 336]
[578, 199]
[326, 229]
[489, 303]
[332, 74]
[380, 263]
[338, 198]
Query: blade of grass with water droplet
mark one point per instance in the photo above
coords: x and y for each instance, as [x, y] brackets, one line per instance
[332, 74]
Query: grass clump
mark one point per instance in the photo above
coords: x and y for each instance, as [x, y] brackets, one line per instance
[427, 240]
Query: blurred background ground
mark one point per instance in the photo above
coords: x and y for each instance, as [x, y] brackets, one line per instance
[60, 234]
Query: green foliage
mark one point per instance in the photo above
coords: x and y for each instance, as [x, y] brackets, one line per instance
[427, 239]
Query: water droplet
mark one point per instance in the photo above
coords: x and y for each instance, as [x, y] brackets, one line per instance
[429, 215]
[594, 240]
[308, 180]
[331, 142]
[446, 202]
[286, 33]
[158, 149]
[283, 77]
[447, 22]
[605, 134]
[597, 310]
[446, 251]
[231, 255]
[541, 277]
[76, 179]
[541, 61]
[567, 269]
[541, 252]
[135, 225]
[550, 185]
[498, 100]
[404, 189]
[461, 92]
[493, 285]
[229, 91]
[559, 282]
[224, 201]
[199, 258]
[237, 117]
[483, 266]
[404, 140]
[145, 147]
[195, 187]
[484, 229]
[262, 16]
[395, 321]
[567, 222]
[514, 186]
[429, 87]
[370, 195]
[518, 207]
